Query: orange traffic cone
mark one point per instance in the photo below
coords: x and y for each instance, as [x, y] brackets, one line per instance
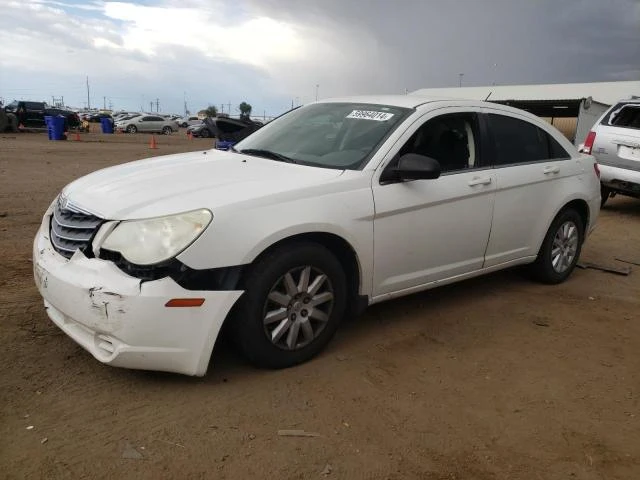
[190, 135]
[21, 127]
[152, 144]
[77, 137]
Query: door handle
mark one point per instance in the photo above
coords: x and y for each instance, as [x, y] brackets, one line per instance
[479, 181]
[548, 170]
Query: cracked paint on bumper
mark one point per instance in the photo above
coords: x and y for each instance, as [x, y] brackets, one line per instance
[122, 321]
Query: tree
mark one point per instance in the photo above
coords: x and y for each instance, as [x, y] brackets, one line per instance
[211, 111]
[245, 110]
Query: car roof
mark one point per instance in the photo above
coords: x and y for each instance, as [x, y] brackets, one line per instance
[629, 101]
[409, 101]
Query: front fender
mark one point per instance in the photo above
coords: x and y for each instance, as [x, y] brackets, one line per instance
[237, 236]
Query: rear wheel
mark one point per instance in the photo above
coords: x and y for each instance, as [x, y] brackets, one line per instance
[293, 302]
[561, 248]
[204, 133]
[167, 130]
[132, 129]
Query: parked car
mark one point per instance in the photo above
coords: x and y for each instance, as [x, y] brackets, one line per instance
[147, 123]
[615, 142]
[31, 114]
[187, 121]
[229, 129]
[332, 207]
[97, 117]
[8, 122]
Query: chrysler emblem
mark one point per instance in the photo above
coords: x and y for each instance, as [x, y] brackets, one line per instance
[62, 202]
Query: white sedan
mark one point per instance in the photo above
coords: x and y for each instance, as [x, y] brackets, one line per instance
[330, 208]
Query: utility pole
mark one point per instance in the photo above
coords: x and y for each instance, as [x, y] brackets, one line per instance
[460, 75]
[150, 107]
[157, 105]
[229, 111]
[317, 87]
[104, 103]
[88, 99]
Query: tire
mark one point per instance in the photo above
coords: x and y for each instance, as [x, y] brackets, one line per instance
[561, 246]
[279, 343]
[184, 125]
[167, 130]
[204, 133]
[605, 193]
[132, 129]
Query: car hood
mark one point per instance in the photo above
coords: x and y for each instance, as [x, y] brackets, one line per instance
[188, 181]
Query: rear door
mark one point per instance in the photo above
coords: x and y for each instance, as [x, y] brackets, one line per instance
[533, 173]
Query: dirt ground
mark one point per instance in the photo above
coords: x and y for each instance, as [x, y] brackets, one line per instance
[494, 378]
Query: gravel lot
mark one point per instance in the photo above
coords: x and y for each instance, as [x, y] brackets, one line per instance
[494, 378]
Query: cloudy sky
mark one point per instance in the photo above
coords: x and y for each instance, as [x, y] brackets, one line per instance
[274, 52]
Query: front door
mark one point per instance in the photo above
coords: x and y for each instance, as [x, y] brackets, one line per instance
[431, 230]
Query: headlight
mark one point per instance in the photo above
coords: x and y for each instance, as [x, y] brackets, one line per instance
[145, 242]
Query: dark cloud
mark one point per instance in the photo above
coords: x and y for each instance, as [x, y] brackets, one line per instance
[346, 47]
[428, 43]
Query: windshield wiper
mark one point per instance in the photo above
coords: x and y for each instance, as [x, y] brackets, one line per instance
[259, 152]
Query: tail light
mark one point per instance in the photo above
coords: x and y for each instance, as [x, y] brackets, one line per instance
[588, 143]
[596, 169]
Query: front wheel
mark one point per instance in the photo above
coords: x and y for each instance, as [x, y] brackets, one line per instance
[560, 249]
[204, 133]
[294, 300]
[132, 129]
[167, 130]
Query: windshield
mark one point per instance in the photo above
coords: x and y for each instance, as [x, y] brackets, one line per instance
[330, 135]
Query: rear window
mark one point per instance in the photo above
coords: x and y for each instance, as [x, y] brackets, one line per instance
[624, 114]
[627, 116]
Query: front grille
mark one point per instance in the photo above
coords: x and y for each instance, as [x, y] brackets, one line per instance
[71, 228]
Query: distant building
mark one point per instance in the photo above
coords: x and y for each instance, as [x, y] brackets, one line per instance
[572, 108]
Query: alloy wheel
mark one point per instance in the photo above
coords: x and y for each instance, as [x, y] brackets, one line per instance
[298, 307]
[564, 247]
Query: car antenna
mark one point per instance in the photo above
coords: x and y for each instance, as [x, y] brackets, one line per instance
[488, 96]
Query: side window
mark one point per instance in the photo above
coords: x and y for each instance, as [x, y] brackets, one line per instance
[146, 119]
[452, 139]
[157, 119]
[556, 150]
[518, 141]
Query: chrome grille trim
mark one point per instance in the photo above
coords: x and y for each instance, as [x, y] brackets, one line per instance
[71, 228]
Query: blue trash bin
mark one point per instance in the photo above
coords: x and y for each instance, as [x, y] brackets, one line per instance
[47, 123]
[55, 127]
[107, 125]
[224, 144]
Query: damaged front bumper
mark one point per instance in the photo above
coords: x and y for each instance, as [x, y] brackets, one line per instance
[123, 321]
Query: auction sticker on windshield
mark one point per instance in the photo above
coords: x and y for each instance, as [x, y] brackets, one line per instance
[370, 115]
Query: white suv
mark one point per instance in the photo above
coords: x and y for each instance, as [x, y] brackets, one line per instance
[332, 207]
[615, 142]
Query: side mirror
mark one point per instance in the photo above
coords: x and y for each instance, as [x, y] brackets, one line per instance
[412, 166]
